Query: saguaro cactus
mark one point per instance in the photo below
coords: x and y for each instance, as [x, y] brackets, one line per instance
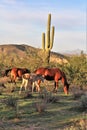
[47, 43]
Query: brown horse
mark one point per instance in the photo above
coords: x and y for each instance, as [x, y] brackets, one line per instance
[16, 72]
[54, 74]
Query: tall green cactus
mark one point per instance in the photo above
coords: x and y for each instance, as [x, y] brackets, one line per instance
[47, 43]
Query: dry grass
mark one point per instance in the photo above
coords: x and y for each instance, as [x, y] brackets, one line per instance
[49, 116]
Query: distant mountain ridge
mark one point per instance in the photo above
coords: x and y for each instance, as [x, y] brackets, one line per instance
[73, 52]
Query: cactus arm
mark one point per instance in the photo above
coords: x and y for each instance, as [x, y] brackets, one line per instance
[43, 41]
[48, 32]
[52, 37]
[49, 22]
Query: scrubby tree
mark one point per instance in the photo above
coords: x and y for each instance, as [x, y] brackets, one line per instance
[77, 70]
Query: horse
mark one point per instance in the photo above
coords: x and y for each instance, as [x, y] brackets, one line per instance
[54, 74]
[16, 72]
[30, 81]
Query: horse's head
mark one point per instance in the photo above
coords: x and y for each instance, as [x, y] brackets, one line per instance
[5, 73]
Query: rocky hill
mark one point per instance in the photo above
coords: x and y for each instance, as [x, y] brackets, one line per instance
[24, 55]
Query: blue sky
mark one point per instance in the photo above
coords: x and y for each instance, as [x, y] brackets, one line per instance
[24, 21]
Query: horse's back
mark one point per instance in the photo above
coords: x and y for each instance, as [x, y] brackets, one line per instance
[14, 69]
[40, 71]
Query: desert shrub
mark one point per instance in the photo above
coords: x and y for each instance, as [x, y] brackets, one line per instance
[76, 70]
[10, 87]
[82, 104]
[27, 95]
[77, 94]
[48, 97]
[75, 75]
[1, 88]
[41, 102]
[12, 102]
[78, 125]
[83, 101]
[40, 106]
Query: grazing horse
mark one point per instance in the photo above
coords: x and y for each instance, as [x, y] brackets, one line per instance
[54, 74]
[16, 72]
[30, 81]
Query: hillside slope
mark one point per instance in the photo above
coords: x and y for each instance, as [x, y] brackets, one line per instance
[24, 55]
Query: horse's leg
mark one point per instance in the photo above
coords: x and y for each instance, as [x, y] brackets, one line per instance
[38, 86]
[23, 83]
[13, 78]
[26, 84]
[37, 83]
[65, 85]
[33, 86]
[55, 86]
[65, 90]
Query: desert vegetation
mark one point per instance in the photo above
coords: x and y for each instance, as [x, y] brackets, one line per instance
[45, 110]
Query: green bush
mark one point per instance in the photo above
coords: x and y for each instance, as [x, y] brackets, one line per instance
[84, 102]
[11, 102]
[48, 97]
[77, 94]
[76, 70]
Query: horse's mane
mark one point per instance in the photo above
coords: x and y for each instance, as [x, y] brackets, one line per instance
[25, 70]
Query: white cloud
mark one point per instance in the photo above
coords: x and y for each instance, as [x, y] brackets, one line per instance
[9, 1]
